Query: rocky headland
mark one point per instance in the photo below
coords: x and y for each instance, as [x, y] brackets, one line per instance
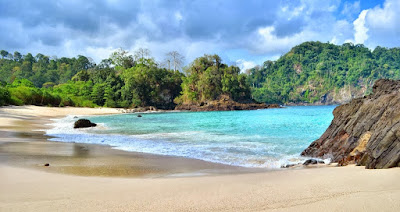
[224, 103]
[365, 131]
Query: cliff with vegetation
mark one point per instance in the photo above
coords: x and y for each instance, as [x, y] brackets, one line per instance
[365, 131]
[323, 73]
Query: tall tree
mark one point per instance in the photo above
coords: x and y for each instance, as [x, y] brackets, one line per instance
[141, 54]
[175, 59]
[17, 56]
[121, 58]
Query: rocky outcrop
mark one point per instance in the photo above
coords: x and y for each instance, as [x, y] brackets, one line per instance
[84, 123]
[365, 131]
[224, 103]
[334, 97]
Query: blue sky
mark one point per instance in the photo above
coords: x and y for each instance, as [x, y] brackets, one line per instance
[245, 33]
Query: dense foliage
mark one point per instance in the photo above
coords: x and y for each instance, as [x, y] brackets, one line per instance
[311, 70]
[305, 74]
[207, 78]
[120, 81]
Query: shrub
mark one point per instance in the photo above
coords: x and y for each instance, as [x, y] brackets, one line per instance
[23, 95]
[5, 98]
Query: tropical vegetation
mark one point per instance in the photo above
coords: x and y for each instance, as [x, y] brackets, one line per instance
[303, 75]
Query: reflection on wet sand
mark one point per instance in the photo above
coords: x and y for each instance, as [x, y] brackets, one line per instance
[24, 145]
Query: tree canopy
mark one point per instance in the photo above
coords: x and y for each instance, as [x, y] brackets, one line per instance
[304, 74]
[119, 81]
[207, 78]
[312, 69]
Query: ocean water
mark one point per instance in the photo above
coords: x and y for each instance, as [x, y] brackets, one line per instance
[259, 138]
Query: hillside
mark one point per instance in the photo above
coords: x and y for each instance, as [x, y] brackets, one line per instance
[323, 73]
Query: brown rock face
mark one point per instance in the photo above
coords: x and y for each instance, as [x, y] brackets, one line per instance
[365, 131]
[224, 103]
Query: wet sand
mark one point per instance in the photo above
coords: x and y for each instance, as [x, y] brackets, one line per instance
[113, 180]
[23, 144]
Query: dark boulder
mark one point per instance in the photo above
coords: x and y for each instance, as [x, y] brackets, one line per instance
[84, 123]
[365, 131]
[290, 165]
[312, 161]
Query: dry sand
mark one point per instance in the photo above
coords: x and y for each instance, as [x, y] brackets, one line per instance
[26, 188]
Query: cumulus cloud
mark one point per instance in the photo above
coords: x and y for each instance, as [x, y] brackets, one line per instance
[260, 28]
[384, 24]
[360, 35]
[351, 9]
[245, 65]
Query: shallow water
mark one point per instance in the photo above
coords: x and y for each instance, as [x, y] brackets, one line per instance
[260, 138]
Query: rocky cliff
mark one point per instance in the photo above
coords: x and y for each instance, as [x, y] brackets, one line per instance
[365, 131]
[224, 103]
[334, 97]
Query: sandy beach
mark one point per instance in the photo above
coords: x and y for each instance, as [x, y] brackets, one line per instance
[98, 178]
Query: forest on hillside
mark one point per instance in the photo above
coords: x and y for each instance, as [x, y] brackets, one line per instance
[123, 80]
[311, 70]
[305, 74]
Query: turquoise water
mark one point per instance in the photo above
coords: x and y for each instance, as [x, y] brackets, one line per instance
[259, 138]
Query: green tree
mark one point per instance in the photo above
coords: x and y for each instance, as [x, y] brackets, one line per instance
[4, 53]
[17, 56]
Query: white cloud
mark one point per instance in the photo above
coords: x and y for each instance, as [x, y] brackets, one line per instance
[178, 16]
[342, 30]
[351, 9]
[260, 30]
[384, 24]
[360, 34]
[245, 65]
[387, 17]
[268, 42]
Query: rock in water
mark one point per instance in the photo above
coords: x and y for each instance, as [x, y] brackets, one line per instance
[312, 161]
[365, 131]
[83, 123]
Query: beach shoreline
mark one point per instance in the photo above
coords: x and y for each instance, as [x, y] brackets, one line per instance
[116, 180]
[24, 144]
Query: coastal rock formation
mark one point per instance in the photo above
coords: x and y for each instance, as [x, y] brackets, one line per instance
[335, 97]
[224, 103]
[365, 131]
[83, 123]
